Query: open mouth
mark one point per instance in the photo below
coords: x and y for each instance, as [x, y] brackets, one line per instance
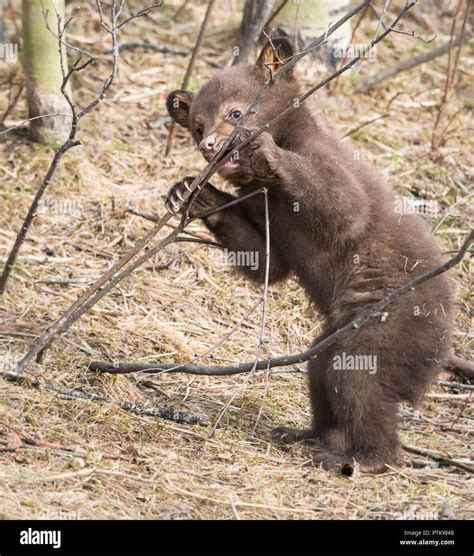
[231, 165]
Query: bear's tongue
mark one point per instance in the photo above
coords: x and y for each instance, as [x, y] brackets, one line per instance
[231, 164]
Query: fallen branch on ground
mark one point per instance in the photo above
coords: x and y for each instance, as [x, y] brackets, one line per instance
[162, 49]
[138, 409]
[440, 459]
[407, 64]
[460, 367]
[374, 310]
[455, 385]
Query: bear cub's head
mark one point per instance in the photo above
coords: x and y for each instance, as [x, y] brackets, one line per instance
[212, 113]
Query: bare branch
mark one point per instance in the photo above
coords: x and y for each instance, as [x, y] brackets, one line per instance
[438, 137]
[61, 31]
[208, 242]
[374, 310]
[394, 30]
[23, 122]
[75, 117]
[141, 13]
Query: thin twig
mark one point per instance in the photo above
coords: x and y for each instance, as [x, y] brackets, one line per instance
[437, 137]
[264, 302]
[400, 31]
[364, 124]
[261, 339]
[380, 19]
[141, 13]
[209, 242]
[23, 122]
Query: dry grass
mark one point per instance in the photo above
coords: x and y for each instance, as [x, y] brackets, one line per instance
[96, 461]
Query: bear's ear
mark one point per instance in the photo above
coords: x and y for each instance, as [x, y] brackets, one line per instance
[275, 54]
[178, 105]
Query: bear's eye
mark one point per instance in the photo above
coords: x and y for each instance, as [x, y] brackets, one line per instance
[235, 115]
[199, 130]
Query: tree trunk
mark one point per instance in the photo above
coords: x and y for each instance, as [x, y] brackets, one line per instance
[248, 15]
[256, 14]
[305, 20]
[41, 63]
[1, 22]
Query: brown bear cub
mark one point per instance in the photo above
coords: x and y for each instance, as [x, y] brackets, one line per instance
[335, 226]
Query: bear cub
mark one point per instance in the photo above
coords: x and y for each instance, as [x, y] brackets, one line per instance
[334, 226]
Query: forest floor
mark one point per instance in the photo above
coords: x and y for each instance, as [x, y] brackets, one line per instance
[86, 460]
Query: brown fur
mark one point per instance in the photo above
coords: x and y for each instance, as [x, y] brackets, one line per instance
[333, 226]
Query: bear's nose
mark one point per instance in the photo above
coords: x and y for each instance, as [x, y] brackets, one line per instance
[208, 144]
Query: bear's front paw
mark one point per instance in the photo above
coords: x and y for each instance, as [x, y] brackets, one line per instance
[206, 198]
[259, 158]
[175, 200]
